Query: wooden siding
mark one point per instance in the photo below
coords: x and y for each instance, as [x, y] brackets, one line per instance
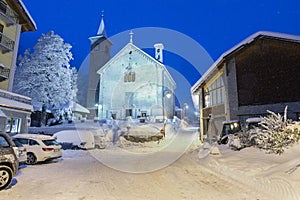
[268, 71]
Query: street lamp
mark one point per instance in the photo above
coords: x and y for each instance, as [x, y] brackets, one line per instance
[185, 107]
[167, 94]
[98, 107]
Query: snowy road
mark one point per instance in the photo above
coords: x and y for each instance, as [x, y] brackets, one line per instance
[78, 175]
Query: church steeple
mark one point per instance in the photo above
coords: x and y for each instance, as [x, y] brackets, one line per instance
[101, 29]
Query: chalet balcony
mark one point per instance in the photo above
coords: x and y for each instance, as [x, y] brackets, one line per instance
[4, 72]
[6, 44]
[8, 15]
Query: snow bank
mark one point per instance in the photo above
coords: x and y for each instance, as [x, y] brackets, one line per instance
[277, 176]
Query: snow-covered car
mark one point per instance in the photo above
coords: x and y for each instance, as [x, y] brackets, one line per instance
[39, 147]
[253, 122]
[80, 139]
[8, 160]
[159, 119]
[22, 152]
[234, 130]
[229, 127]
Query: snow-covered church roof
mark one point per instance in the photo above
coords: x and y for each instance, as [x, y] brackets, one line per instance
[131, 47]
[241, 45]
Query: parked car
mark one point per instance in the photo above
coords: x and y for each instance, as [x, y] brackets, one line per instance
[8, 160]
[39, 147]
[233, 127]
[22, 152]
[229, 127]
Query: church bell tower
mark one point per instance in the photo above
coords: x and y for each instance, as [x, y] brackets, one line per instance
[99, 55]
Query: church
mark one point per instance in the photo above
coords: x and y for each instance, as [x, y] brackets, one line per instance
[131, 83]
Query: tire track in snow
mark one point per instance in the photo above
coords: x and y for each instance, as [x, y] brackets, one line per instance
[277, 187]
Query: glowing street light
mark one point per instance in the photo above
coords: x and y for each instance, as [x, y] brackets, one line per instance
[167, 94]
[98, 107]
[185, 108]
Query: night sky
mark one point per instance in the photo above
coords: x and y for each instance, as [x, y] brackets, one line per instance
[217, 25]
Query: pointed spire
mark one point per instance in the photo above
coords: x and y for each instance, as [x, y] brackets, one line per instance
[131, 37]
[101, 29]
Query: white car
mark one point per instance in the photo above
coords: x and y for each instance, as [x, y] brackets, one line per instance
[39, 147]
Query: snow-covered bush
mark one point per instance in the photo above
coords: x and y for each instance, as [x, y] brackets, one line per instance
[275, 133]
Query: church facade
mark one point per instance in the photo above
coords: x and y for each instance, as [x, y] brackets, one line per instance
[134, 84]
[130, 84]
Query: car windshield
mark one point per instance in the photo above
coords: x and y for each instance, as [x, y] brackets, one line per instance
[50, 142]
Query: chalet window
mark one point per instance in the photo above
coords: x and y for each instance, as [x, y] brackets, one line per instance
[13, 125]
[215, 93]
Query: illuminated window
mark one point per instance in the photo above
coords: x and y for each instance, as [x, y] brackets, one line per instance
[129, 76]
[215, 93]
[13, 125]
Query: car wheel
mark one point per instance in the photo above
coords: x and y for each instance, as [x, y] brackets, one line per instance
[31, 159]
[6, 175]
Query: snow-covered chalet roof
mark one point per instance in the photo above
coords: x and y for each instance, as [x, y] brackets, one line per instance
[12, 102]
[241, 45]
[25, 19]
[79, 108]
[27, 13]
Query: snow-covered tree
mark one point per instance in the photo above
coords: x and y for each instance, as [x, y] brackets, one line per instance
[275, 134]
[45, 75]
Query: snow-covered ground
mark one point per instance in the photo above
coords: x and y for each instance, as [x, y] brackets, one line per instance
[177, 167]
[275, 176]
[78, 175]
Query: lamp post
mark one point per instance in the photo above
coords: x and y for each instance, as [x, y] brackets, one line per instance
[98, 107]
[168, 94]
[185, 107]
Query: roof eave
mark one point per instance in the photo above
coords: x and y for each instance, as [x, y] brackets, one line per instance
[25, 19]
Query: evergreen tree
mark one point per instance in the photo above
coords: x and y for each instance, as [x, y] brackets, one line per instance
[45, 75]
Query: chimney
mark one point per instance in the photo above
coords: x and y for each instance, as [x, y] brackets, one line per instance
[159, 52]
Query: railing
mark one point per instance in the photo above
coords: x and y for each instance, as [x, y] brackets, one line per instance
[4, 73]
[8, 13]
[6, 44]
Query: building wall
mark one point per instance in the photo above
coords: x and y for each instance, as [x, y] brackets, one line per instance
[9, 58]
[99, 55]
[231, 89]
[15, 107]
[23, 116]
[267, 78]
[273, 68]
[213, 103]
